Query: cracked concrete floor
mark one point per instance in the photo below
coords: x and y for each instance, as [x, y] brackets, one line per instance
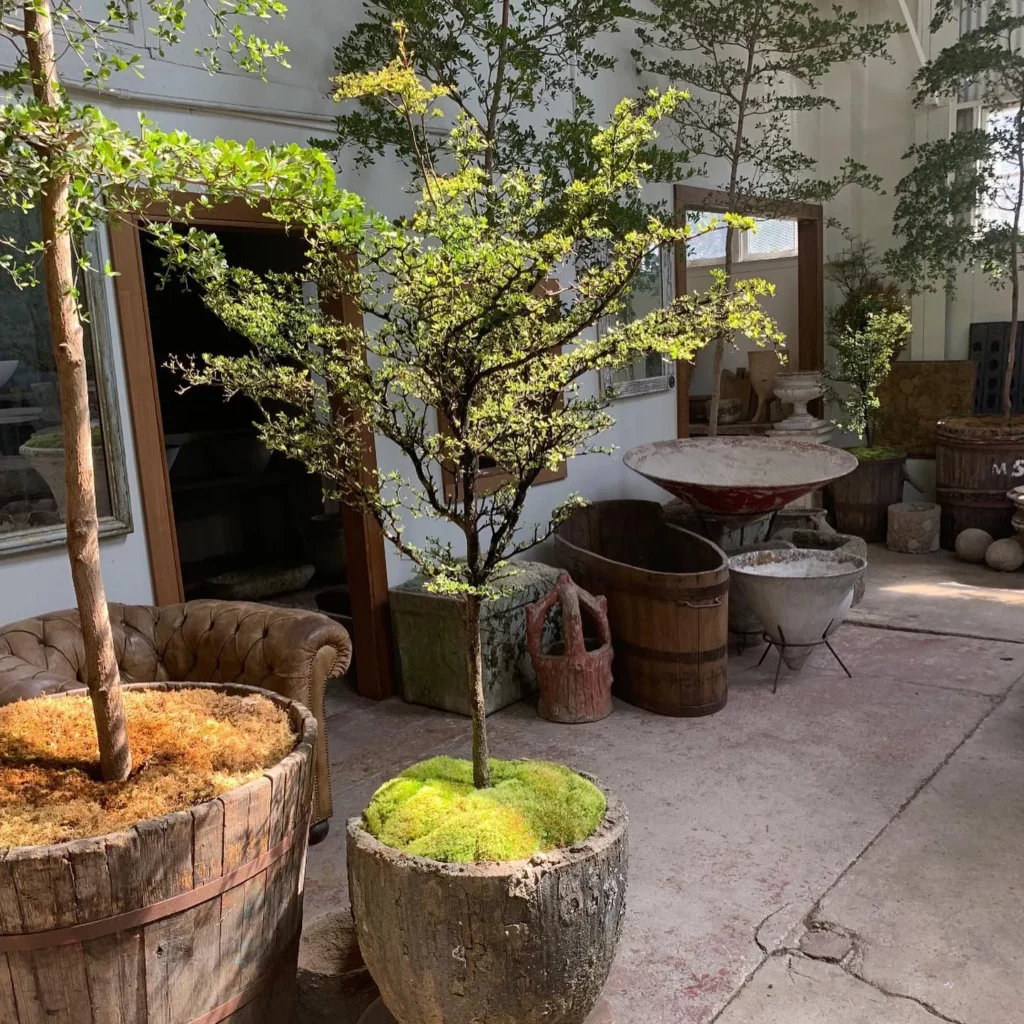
[882, 812]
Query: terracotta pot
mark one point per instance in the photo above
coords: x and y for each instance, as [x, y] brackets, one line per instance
[89, 933]
[530, 940]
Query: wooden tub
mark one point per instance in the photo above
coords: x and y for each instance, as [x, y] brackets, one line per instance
[668, 594]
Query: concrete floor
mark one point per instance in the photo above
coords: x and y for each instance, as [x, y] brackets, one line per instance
[846, 851]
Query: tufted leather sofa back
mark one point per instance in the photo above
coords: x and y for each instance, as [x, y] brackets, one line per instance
[287, 650]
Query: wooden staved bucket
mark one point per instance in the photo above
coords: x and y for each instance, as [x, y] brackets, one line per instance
[668, 603]
[191, 918]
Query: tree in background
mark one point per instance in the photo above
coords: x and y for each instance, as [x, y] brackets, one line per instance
[79, 169]
[473, 352]
[867, 329]
[961, 203]
[501, 66]
[751, 67]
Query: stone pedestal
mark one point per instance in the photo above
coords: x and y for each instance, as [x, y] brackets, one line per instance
[430, 642]
[378, 1014]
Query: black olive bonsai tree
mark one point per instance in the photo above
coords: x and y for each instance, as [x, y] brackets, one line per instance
[741, 61]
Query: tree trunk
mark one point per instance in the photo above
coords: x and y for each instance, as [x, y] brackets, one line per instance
[478, 710]
[1011, 348]
[101, 672]
[716, 368]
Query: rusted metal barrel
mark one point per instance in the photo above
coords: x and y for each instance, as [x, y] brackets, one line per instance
[977, 460]
[668, 603]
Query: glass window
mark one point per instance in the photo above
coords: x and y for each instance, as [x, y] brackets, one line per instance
[1000, 204]
[772, 238]
[33, 499]
[709, 246]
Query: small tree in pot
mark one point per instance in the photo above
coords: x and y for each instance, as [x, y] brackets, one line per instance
[962, 206]
[867, 329]
[200, 754]
[474, 354]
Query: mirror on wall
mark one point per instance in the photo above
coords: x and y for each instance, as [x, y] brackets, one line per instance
[33, 498]
[653, 372]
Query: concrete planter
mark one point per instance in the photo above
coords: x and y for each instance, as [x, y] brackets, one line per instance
[430, 642]
[49, 464]
[522, 942]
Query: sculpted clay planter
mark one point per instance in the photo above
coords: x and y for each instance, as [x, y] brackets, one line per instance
[521, 942]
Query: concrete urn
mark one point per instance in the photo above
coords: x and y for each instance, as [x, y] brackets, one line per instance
[518, 942]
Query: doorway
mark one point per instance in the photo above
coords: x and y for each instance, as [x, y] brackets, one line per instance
[225, 517]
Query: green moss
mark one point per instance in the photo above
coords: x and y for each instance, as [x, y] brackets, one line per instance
[55, 439]
[432, 810]
[876, 453]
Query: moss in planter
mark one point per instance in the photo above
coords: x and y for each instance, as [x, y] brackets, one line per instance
[876, 453]
[433, 810]
[55, 439]
[187, 745]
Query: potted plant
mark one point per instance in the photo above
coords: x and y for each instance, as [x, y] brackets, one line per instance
[960, 206]
[45, 454]
[109, 859]
[867, 330]
[469, 358]
[741, 60]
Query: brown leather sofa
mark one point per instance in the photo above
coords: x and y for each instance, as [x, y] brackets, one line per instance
[289, 651]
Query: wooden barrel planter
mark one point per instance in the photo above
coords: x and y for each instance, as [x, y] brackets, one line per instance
[668, 603]
[977, 460]
[191, 918]
[862, 498]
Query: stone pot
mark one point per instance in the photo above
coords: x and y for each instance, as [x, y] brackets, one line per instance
[49, 464]
[521, 942]
[743, 620]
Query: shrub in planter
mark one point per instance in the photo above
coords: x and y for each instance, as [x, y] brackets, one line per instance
[867, 329]
[472, 359]
[162, 895]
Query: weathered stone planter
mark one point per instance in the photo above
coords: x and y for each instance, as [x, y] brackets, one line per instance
[430, 642]
[49, 464]
[191, 917]
[524, 942]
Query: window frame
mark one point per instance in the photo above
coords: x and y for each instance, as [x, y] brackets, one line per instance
[119, 523]
[742, 255]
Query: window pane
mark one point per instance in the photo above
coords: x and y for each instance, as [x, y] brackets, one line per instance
[772, 238]
[710, 246]
[1000, 203]
[32, 493]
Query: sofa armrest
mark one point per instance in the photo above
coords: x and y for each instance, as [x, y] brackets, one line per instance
[40, 656]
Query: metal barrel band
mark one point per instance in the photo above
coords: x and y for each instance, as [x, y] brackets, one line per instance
[77, 933]
[256, 989]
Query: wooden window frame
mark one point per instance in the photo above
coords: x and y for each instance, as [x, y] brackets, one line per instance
[810, 234]
[367, 569]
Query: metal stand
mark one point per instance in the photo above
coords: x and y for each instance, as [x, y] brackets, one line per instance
[784, 644]
[377, 1013]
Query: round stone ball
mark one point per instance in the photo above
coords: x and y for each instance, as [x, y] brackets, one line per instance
[1005, 555]
[971, 545]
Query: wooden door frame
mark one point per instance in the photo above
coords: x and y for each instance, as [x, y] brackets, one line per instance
[368, 579]
[810, 274]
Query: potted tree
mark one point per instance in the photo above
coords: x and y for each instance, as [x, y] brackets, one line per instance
[467, 358]
[740, 60]
[867, 330]
[130, 818]
[960, 206]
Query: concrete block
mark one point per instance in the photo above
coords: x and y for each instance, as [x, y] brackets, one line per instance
[430, 642]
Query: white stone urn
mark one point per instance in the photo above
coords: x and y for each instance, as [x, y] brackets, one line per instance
[797, 389]
[49, 464]
[1017, 497]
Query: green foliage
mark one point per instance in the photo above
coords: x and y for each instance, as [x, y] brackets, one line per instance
[867, 328]
[501, 67]
[752, 65]
[52, 440]
[432, 810]
[472, 350]
[114, 173]
[876, 453]
[958, 205]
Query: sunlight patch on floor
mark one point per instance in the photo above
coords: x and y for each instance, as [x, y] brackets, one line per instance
[957, 590]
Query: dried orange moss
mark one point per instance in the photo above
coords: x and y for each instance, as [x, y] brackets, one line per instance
[187, 745]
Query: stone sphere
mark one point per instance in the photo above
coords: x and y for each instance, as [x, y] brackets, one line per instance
[972, 544]
[1005, 555]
